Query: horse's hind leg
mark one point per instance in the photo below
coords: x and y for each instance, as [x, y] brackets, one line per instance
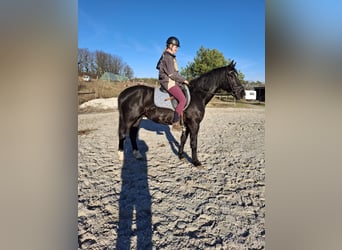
[133, 134]
[133, 128]
[122, 137]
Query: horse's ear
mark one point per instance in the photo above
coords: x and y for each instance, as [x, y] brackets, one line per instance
[232, 63]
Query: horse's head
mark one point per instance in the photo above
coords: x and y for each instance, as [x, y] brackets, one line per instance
[235, 85]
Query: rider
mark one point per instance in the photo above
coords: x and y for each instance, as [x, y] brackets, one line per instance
[170, 79]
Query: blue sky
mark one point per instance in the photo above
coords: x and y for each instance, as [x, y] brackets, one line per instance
[136, 31]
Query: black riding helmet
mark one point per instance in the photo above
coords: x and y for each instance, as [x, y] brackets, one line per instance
[173, 40]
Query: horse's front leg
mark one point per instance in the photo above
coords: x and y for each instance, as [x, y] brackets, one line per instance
[193, 144]
[184, 137]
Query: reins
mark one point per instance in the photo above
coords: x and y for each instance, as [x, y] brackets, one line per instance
[207, 91]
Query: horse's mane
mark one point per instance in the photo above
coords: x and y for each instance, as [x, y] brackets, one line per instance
[206, 80]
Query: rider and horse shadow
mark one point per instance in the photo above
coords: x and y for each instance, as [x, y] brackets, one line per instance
[135, 212]
[135, 204]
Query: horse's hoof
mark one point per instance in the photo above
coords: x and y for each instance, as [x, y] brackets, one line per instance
[197, 163]
[121, 155]
[137, 154]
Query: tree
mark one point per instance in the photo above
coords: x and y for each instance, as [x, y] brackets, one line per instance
[98, 62]
[84, 61]
[205, 60]
[101, 61]
[108, 63]
[127, 71]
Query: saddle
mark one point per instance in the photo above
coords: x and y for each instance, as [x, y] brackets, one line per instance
[163, 99]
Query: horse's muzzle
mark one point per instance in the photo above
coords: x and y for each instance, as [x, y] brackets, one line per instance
[240, 93]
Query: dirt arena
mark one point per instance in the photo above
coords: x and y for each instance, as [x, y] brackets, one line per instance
[161, 202]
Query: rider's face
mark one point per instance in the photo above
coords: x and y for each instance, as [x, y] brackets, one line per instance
[174, 48]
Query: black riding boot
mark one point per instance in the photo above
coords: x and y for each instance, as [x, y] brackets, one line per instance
[176, 123]
[175, 117]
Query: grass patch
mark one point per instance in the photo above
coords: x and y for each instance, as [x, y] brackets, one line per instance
[99, 89]
[102, 89]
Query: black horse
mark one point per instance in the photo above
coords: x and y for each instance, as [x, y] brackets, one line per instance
[136, 102]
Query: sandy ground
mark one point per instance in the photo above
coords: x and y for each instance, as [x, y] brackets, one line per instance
[160, 202]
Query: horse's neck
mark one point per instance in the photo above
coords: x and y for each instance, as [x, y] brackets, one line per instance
[208, 98]
[207, 95]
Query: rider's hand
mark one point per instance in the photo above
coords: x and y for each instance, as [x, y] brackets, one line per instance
[186, 82]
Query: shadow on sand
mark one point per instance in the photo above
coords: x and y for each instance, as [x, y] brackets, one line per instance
[161, 129]
[135, 215]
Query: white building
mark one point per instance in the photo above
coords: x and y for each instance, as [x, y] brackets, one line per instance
[250, 94]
